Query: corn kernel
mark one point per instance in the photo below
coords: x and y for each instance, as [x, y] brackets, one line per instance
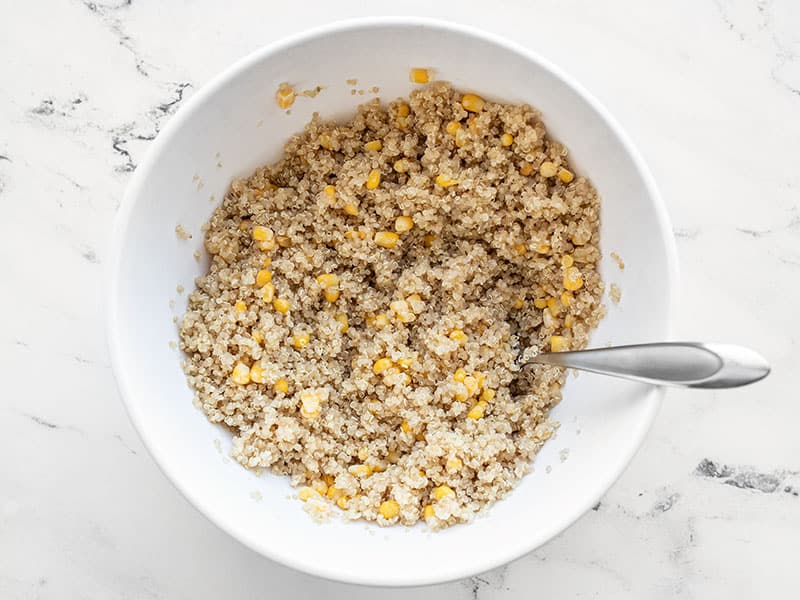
[327, 280]
[285, 95]
[471, 383]
[565, 175]
[373, 179]
[442, 492]
[549, 321]
[381, 365]
[428, 511]
[477, 411]
[257, 337]
[267, 262]
[386, 239]
[547, 169]
[268, 293]
[331, 294]
[572, 279]
[263, 277]
[380, 321]
[445, 181]
[520, 249]
[526, 169]
[401, 165]
[405, 426]
[452, 127]
[519, 303]
[569, 321]
[330, 191]
[543, 248]
[458, 336]
[342, 318]
[305, 493]
[373, 146]
[405, 362]
[428, 240]
[240, 306]
[553, 307]
[328, 479]
[281, 305]
[325, 141]
[540, 303]
[281, 386]
[403, 110]
[301, 340]
[403, 224]
[342, 502]
[558, 343]
[506, 139]
[567, 260]
[488, 395]
[350, 209]
[472, 102]
[241, 374]
[257, 374]
[389, 509]
[334, 493]
[459, 375]
[320, 487]
[567, 298]
[419, 75]
[461, 393]
[454, 464]
[262, 234]
[311, 402]
[480, 378]
[360, 470]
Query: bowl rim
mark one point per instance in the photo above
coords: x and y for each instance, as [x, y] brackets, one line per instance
[500, 556]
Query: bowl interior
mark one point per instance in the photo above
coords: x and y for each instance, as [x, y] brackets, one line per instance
[232, 126]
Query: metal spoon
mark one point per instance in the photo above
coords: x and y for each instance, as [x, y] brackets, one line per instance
[686, 364]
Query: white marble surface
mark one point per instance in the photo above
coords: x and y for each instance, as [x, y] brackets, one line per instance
[710, 92]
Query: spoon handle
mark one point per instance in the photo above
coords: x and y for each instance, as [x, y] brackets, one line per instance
[686, 364]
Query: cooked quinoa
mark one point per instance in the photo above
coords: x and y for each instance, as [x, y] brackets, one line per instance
[368, 295]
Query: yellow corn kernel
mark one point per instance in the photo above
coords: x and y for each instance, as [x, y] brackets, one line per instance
[572, 279]
[380, 321]
[373, 179]
[257, 373]
[263, 277]
[428, 511]
[549, 321]
[445, 181]
[350, 209]
[506, 139]
[285, 95]
[565, 175]
[334, 493]
[567, 260]
[305, 493]
[471, 383]
[488, 395]
[461, 393]
[342, 318]
[442, 491]
[374, 146]
[454, 464]
[267, 245]
[480, 378]
[240, 306]
[477, 411]
[569, 321]
[540, 302]
[241, 374]
[405, 362]
[328, 479]
[458, 336]
[403, 224]
[325, 141]
[381, 365]
[520, 249]
[301, 340]
[342, 502]
[389, 509]
[386, 239]
[472, 123]
[543, 248]
[281, 386]
[327, 280]
[262, 234]
[519, 303]
[257, 337]
[267, 262]
[419, 75]
[452, 127]
[331, 294]
[459, 375]
[428, 240]
[553, 307]
[403, 110]
[330, 191]
[405, 426]
[526, 169]
[401, 165]
[320, 487]
[268, 293]
[566, 298]
[281, 305]
[472, 102]
[558, 343]
[360, 470]
[311, 402]
[548, 169]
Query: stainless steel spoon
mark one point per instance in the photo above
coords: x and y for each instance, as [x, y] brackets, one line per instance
[685, 364]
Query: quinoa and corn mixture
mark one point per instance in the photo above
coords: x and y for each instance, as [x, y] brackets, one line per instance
[368, 295]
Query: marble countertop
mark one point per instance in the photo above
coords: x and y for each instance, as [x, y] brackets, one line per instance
[708, 90]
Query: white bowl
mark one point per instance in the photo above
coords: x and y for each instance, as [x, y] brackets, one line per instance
[234, 121]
